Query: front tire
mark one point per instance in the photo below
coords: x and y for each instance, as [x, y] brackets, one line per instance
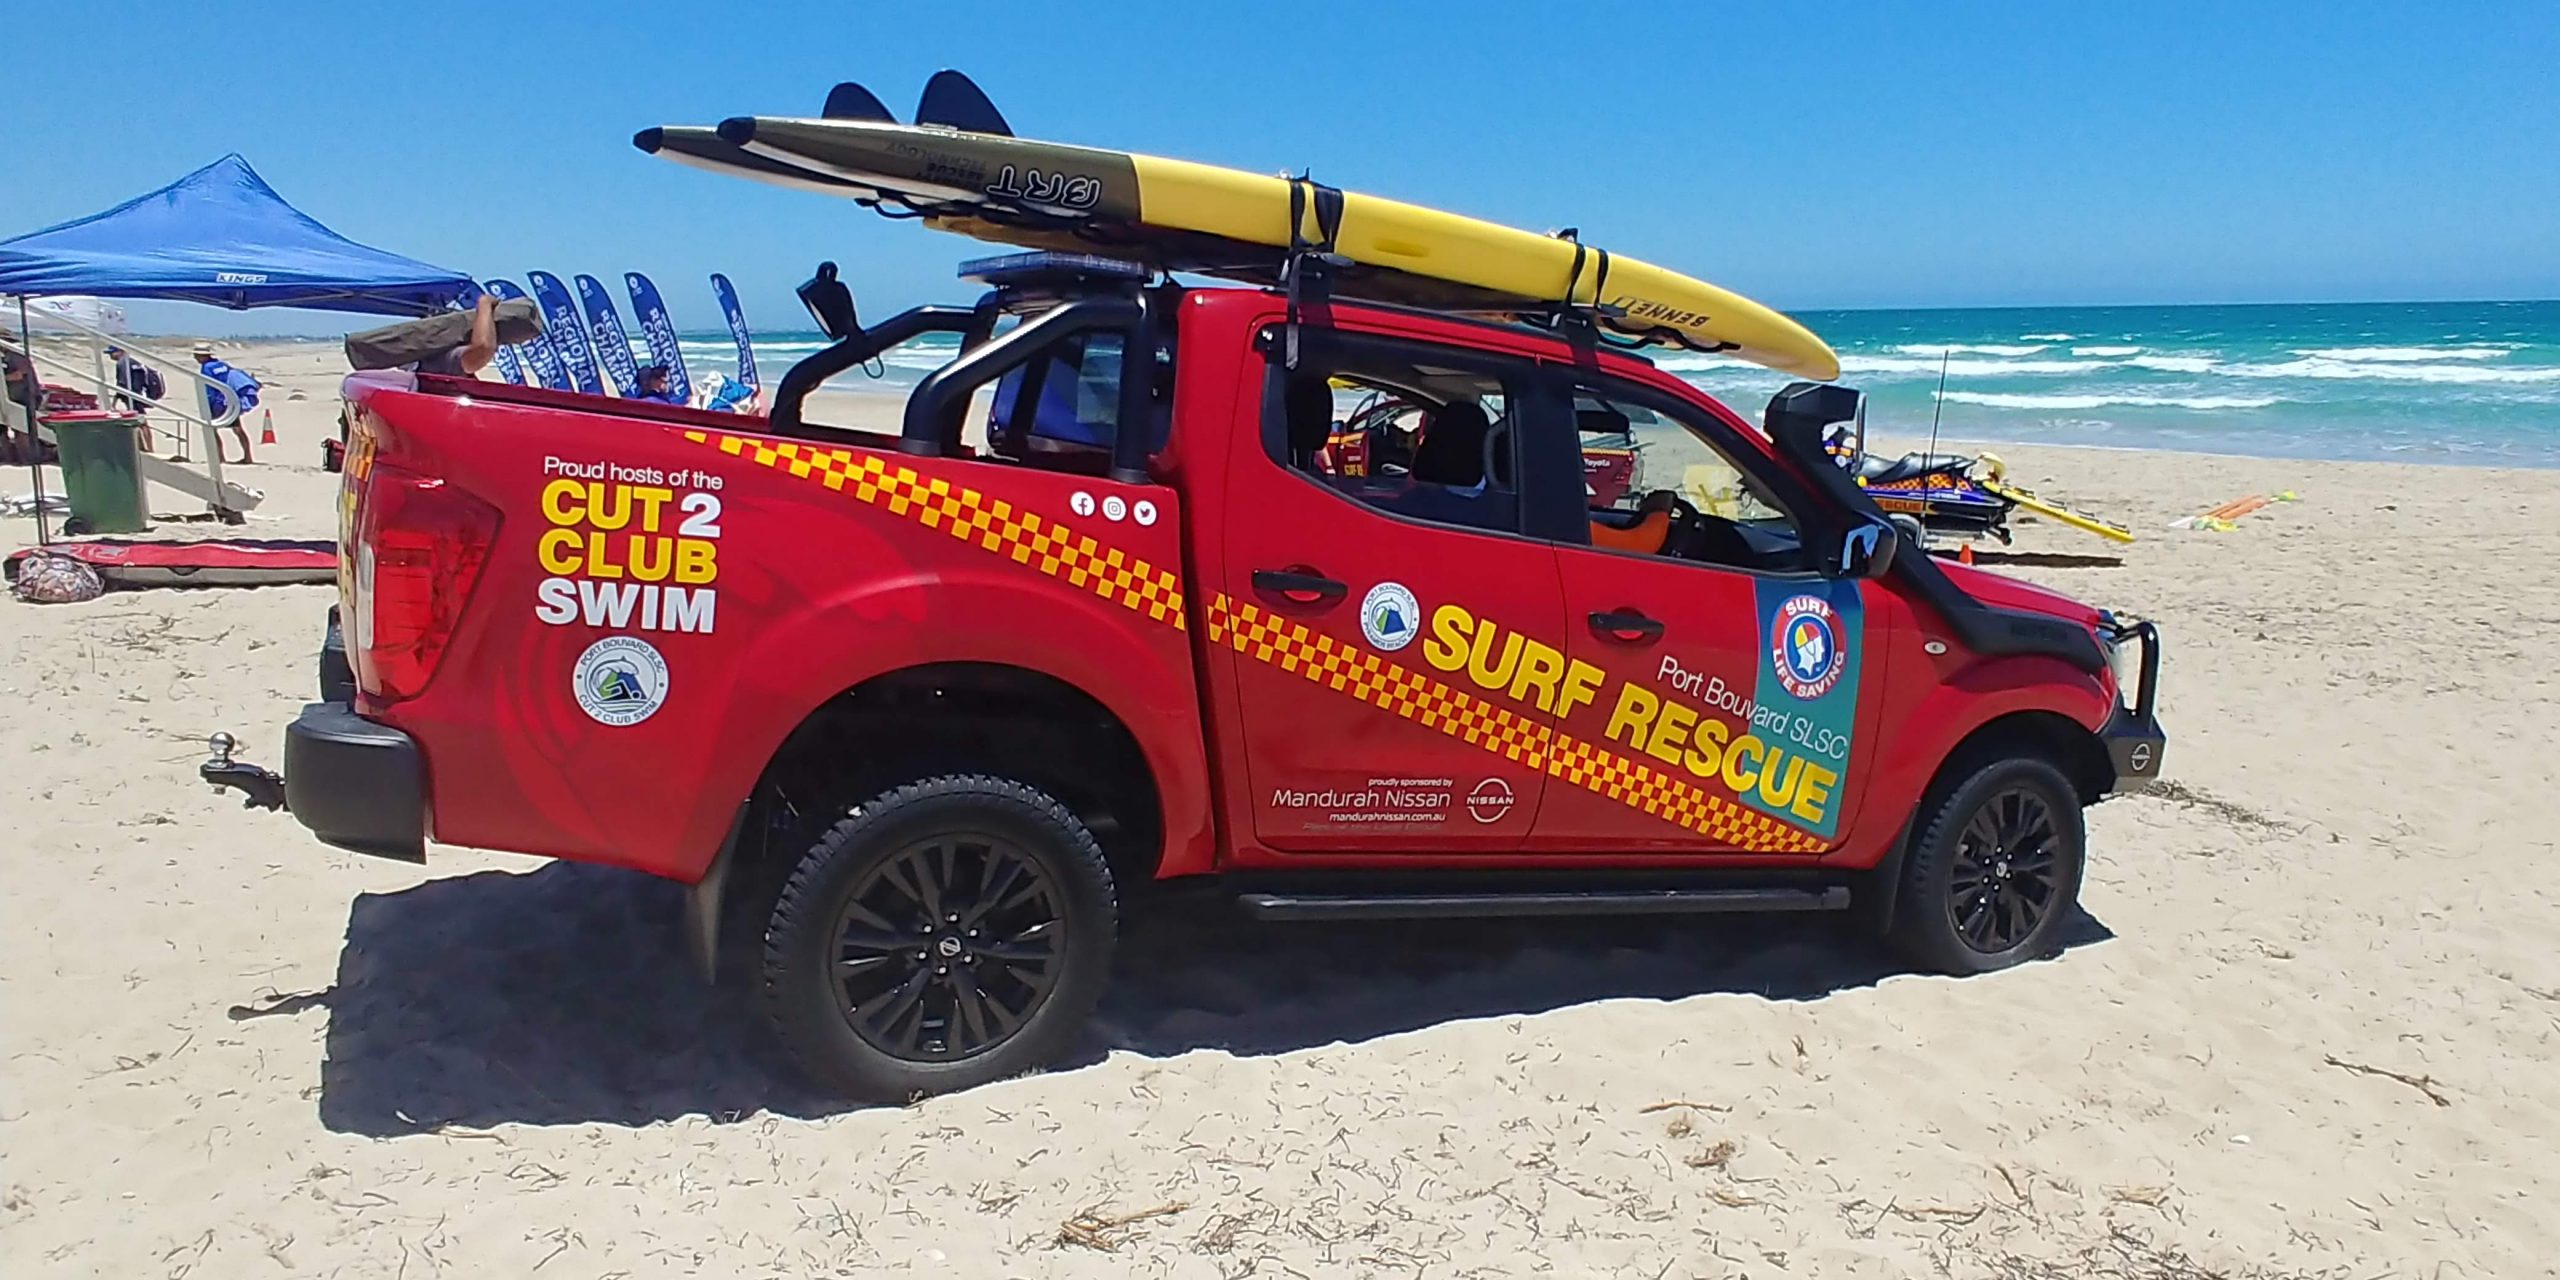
[946, 933]
[1992, 876]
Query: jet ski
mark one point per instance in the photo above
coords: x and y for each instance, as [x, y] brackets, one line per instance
[1941, 490]
[1953, 494]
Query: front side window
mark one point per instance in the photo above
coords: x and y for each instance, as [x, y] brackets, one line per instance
[1660, 480]
[1396, 427]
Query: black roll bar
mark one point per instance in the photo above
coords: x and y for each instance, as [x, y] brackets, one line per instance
[935, 409]
[805, 376]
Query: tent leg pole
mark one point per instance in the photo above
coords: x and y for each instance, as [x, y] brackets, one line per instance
[35, 440]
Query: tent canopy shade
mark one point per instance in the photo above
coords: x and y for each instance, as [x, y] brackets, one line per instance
[222, 237]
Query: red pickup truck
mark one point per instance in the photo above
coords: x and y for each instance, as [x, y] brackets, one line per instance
[926, 714]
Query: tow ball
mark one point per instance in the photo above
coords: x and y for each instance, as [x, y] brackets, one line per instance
[263, 788]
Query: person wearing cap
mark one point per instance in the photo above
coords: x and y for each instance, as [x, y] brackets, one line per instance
[237, 384]
[653, 386]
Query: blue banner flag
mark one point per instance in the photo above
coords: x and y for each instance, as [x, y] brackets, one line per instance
[544, 361]
[568, 332]
[737, 317]
[613, 347]
[651, 311]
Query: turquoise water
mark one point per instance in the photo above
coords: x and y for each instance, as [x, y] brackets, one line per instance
[2468, 382]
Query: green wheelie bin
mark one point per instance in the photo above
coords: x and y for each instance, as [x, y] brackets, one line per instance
[101, 470]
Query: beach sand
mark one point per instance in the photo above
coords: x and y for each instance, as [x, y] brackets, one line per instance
[2308, 1026]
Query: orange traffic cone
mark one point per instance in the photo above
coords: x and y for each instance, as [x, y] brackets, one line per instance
[267, 427]
[1964, 554]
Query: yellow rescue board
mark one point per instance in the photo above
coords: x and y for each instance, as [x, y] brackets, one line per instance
[1179, 215]
[2065, 515]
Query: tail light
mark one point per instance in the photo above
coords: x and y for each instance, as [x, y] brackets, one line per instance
[419, 546]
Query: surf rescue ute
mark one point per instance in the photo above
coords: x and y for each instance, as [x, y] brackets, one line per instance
[1292, 595]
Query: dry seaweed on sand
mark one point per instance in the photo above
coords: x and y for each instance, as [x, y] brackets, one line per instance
[1094, 1229]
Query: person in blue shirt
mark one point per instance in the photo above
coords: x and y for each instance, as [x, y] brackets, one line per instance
[235, 383]
[653, 386]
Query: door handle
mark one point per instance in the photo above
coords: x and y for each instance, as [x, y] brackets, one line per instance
[1299, 586]
[1626, 626]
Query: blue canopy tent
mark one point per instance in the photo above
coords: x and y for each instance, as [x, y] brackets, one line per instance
[223, 237]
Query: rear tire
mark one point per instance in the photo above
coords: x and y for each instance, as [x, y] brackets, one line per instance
[947, 933]
[1992, 876]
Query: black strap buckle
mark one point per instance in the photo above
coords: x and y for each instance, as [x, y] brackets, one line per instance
[1305, 273]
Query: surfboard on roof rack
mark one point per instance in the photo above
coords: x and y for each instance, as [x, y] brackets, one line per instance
[1176, 215]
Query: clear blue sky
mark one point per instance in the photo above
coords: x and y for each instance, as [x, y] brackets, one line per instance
[1861, 154]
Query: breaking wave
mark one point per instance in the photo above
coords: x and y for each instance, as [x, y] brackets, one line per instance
[1966, 368]
[2327, 367]
[2174, 364]
[1967, 349]
[2106, 351]
[2404, 354]
[2103, 399]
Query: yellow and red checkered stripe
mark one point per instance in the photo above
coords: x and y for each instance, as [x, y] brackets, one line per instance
[972, 517]
[1028, 539]
[1264, 637]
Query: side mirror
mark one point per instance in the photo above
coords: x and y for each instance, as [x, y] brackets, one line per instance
[830, 303]
[1866, 551]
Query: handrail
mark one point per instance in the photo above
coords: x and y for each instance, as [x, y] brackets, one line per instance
[109, 393]
[103, 377]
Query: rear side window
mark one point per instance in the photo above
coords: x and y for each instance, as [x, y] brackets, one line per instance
[1068, 401]
[1405, 428]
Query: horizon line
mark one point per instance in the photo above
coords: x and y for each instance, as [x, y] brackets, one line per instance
[1834, 310]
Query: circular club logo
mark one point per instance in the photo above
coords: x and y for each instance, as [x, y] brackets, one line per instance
[621, 680]
[1804, 647]
[1490, 800]
[1390, 617]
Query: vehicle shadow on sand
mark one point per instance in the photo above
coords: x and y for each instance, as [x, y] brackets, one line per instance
[565, 996]
[2050, 559]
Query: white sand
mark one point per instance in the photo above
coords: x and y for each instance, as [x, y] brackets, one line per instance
[232, 1051]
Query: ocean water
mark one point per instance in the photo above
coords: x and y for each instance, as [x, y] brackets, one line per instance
[2468, 382]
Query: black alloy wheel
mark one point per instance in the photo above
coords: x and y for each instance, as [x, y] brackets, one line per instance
[1991, 877]
[2005, 876]
[942, 934]
[948, 946]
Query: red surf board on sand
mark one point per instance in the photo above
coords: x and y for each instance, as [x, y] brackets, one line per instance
[231, 562]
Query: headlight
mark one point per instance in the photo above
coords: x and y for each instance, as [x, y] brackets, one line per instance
[2124, 659]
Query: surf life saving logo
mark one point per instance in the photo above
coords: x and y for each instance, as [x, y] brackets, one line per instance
[1390, 617]
[620, 681]
[1806, 700]
[1805, 647]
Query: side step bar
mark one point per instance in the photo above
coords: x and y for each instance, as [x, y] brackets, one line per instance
[1284, 906]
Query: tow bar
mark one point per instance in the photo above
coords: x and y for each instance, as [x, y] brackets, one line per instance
[264, 788]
